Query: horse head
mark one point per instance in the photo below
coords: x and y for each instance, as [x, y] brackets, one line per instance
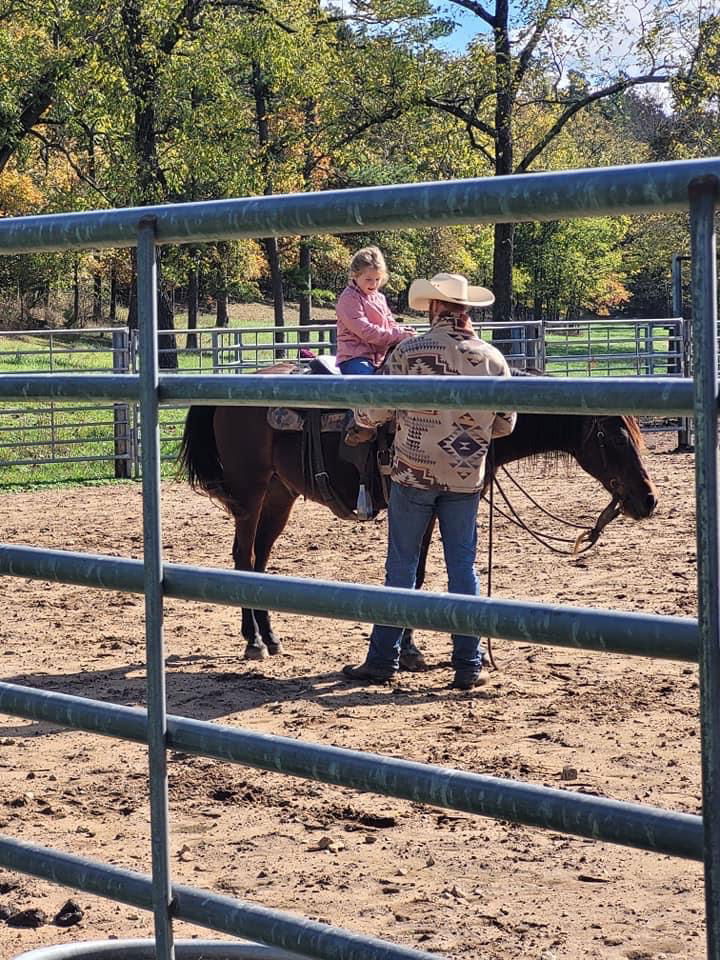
[610, 449]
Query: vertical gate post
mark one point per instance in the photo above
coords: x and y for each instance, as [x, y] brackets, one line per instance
[152, 560]
[703, 195]
[685, 369]
[121, 411]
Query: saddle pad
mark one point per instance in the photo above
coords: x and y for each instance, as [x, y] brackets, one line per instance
[283, 418]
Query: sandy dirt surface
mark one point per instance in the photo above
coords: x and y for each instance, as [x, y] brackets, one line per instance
[455, 884]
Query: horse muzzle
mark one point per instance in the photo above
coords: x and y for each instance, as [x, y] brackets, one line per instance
[639, 506]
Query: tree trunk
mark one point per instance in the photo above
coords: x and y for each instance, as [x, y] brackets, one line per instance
[504, 238]
[167, 344]
[193, 304]
[97, 299]
[305, 300]
[35, 104]
[142, 75]
[502, 281]
[112, 315]
[310, 123]
[76, 294]
[261, 92]
[270, 246]
[222, 318]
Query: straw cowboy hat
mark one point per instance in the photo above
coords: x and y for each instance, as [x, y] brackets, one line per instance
[451, 287]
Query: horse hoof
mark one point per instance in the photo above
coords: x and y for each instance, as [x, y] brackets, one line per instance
[256, 651]
[413, 661]
[274, 647]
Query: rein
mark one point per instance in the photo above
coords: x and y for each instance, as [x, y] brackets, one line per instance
[588, 536]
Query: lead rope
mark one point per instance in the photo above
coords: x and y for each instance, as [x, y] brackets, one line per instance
[589, 536]
[491, 504]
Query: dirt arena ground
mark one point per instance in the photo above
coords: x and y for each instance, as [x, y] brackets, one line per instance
[458, 885]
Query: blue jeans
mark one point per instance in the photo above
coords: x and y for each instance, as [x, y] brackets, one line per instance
[409, 513]
[357, 365]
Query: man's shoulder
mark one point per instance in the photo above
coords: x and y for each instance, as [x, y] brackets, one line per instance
[481, 349]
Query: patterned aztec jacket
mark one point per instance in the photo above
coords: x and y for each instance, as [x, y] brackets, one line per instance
[443, 449]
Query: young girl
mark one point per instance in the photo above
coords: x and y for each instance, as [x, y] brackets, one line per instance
[365, 326]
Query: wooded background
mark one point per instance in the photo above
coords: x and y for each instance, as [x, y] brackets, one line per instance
[110, 103]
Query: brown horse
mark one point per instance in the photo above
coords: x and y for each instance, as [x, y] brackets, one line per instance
[257, 473]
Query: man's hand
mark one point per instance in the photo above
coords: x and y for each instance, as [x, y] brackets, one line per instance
[355, 435]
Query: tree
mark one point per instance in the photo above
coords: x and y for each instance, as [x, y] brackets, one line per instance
[530, 67]
[42, 48]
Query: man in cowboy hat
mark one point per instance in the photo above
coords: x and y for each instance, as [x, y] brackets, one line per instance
[438, 466]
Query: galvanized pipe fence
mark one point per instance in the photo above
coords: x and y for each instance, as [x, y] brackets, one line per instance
[638, 190]
[61, 433]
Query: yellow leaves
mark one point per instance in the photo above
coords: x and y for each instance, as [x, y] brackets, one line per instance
[18, 194]
[608, 296]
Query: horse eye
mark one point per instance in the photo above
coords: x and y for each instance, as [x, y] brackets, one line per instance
[622, 439]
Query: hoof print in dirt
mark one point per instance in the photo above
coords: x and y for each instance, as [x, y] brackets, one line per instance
[69, 914]
[32, 918]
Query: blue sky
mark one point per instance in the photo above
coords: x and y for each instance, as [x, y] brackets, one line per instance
[468, 27]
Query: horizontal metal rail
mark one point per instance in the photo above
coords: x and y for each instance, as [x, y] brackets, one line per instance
[56, 442]
[229, 332]
[78, 334]
[674, 638]
[56, 351]
[236, 917]
[583, 815]
[33, 462]
[49, 408]
[609, 395]
[56, 426]
[612, 357]
[555, 326]
[62, 386]
[603, 191]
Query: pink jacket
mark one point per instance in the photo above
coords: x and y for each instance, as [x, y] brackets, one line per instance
[365, 326]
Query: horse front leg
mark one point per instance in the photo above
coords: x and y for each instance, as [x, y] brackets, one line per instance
[411, 656]
[273, 518]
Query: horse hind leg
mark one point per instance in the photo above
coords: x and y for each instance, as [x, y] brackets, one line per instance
[254, 647]
[243, 552]
[273, 518]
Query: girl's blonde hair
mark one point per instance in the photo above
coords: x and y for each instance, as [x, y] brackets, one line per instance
[369, 258]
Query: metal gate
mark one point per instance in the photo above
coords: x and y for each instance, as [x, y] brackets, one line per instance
[636, 189]
[82, 433]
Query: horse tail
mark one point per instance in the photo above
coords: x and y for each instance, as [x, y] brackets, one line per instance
[198, 458]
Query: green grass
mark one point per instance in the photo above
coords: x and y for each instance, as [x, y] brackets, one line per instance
[612, 350]
[88, 433]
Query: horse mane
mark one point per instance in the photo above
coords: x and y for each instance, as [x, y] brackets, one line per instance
[551, 460]
[632, 425]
